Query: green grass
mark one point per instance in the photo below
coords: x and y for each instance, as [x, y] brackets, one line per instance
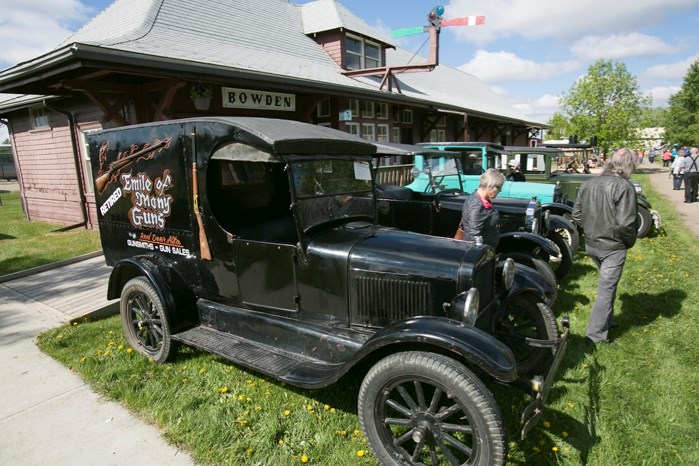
[26, 244]
[632, 404]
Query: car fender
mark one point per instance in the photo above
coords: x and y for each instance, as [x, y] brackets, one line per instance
[556, 208]
[523, 241]
[168, 283]
[476, 346]
[528, 280]
[556, 222]
[643, 201]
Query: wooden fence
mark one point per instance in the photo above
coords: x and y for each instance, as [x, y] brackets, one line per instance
[398, 175]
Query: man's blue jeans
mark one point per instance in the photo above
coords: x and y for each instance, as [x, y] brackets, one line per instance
[611, 265]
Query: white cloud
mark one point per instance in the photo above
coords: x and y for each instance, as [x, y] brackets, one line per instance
[557, 19]
[661, 94]
[508, 67]
[33, 28]
[620, 46]
[677, 70]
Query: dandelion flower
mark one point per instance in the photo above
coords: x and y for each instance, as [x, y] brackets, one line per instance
[99, 352]
[129, 350]
[332, 410]
[120, 347]
[286, 412]
[326, 407]
[554, 449]
[249, 451]
[223, 389]
[280, 442]
[547, 424]
[304, 459]
[565, 434]
[360, 453]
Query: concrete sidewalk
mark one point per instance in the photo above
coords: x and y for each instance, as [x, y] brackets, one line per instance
[47, 413]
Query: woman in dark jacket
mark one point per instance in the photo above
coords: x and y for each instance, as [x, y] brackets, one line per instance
[479, 220]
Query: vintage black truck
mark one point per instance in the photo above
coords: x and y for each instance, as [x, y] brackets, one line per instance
[256, 239]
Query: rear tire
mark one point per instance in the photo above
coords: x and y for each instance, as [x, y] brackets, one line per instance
[145, 321]
[425, 408]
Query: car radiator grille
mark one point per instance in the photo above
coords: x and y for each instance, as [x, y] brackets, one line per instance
[381, 299]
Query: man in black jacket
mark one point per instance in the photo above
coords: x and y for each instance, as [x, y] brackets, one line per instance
[606, 210]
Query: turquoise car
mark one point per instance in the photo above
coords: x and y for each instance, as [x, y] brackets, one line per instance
[472, 159]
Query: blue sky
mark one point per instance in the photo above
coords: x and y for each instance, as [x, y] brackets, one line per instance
[528, 51]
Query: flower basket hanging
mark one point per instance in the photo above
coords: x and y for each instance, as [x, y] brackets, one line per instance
[201, 96]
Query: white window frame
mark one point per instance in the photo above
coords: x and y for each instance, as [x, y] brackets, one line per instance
[396, 135]
[364, 60]
[368, 132]
[382, 133]
[438, 135]
[352, 128]
[354, 107]
[89, 185]
[381, 110]
[39, 117]
[367, 108]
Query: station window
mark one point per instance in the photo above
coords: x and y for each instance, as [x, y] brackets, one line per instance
[368, 132]
[361, 53]
[381, 111]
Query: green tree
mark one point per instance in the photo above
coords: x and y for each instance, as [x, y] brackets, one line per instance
[606, 103]
[682, 122]
[559, 127]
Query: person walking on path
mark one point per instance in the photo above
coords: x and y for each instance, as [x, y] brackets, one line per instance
[606, 210]
[678, 171]
[666, 158]
[691, 175]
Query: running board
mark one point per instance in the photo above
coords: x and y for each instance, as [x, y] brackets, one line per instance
[294, 369]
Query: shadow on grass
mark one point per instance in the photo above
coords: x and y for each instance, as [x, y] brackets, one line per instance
[639, 309]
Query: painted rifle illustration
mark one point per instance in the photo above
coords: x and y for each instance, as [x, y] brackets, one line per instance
[204, 251]
[103, 180]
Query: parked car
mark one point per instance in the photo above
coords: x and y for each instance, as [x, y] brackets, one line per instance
[256, 239]
[543, 165]
[527, 234]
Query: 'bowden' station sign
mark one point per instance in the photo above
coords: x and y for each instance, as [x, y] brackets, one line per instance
[249, 98]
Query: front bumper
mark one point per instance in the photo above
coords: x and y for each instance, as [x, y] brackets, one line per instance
[534, 411]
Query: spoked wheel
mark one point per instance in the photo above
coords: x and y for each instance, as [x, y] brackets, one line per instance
[527, 317]
[423, 408]
[145, 321]
[563, 266]
[565, 227]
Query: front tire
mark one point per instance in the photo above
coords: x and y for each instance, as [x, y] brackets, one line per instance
[527, 317]
[427, 409]
[145, 321]
[645, 222]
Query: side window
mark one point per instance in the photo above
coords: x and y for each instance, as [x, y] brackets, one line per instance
[251, 200]
[89, 185]
[39, 118]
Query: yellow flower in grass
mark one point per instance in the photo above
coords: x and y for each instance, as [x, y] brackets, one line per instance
[129, 350]
[223, 389]
[565, 434]
[100, 352]
[554, 449]
[120, 347]
[287, 412]
[547, 424]
[83, 359]
[304, 459]
[280, 442]
[249, 451]
[361, 453]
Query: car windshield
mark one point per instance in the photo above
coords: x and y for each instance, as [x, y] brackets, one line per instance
[441, 171]
[332, 189]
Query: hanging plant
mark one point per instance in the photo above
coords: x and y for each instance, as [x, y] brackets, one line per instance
[199, 91]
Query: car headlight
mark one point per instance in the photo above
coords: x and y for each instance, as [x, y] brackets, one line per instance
[638, 188]
[464, 307]
[508, 273]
